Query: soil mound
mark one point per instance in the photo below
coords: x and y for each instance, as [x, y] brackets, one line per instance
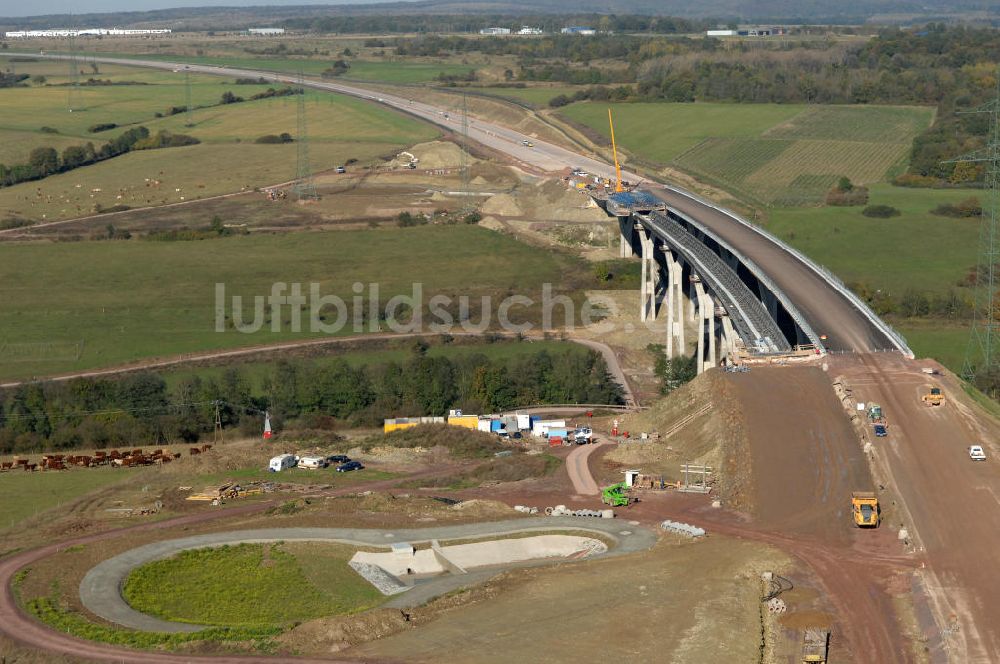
[702, 423]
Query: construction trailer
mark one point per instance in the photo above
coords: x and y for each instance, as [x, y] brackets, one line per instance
[864, 506]
[541, 428]
[282, 462]
[459, 419]
[397, 423]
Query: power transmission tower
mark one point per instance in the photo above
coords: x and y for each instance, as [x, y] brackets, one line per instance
[983, 352]
[73, 92]
[464, 155]
[188, 109]
[304, 187]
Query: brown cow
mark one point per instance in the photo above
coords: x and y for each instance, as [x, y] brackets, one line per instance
[193, 451]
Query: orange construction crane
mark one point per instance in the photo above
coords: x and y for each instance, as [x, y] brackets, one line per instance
[614, 149]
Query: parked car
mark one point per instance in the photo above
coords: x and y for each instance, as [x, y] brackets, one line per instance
[976, 453]
[338, 458]
[349, 466]
[341, 169]
[516, 435]
[881, 431]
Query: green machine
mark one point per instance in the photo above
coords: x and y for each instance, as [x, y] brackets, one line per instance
[615, 495]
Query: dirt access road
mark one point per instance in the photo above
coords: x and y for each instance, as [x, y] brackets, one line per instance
[953, 502]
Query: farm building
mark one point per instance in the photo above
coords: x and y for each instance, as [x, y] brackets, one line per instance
[495, 31]
[578, 30]
[265, 32]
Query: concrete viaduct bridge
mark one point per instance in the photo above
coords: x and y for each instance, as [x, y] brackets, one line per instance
[741, 309]
[751, 293]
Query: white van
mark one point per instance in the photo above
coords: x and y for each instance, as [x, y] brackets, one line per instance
[313, 462]
[282, 462]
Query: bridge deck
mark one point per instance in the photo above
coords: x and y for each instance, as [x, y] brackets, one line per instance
[749, 316]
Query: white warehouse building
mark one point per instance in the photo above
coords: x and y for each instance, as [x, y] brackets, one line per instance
[495, 31]
[265, 32]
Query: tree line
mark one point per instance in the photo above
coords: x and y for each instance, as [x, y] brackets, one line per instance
[140, 408]
[45, 161]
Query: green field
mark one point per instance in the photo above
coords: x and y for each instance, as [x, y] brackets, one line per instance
[944, 341]
[110, 303]
[251, 585]
[382, 71]
[227, 160]
[23, 495]
[776, 154]
[915, 250]
[537, 96]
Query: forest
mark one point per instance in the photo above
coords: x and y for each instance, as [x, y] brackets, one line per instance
[140, 408]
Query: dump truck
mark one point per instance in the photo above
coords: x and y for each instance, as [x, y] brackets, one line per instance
[615, 495]
[815, 645]
[865, 507]
[934, 397]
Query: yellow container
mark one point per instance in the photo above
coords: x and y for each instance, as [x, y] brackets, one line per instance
[467, 421]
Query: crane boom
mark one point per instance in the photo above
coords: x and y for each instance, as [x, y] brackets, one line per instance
[614, 150]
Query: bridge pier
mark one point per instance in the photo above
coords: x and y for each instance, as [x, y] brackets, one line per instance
[675, 304]
[710, 361]
[626, 228]
[728, 339]
[692, 299]
[650, 277]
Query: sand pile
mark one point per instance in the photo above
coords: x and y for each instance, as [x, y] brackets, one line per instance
[502, 205]
[436, 154]
[549, 201]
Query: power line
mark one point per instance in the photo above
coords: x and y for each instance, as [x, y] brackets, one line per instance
[982, 354]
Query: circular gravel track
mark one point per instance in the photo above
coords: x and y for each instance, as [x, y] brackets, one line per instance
[101, 588]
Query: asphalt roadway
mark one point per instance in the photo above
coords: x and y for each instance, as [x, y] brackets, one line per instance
[824, 307]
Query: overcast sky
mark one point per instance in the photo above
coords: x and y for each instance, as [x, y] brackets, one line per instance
[41, 7]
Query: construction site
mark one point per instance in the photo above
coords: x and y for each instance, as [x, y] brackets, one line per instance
[778, 480]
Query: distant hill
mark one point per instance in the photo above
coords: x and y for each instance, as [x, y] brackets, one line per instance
[761, 11]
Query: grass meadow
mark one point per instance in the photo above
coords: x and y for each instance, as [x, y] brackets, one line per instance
[105, 303]
[227, 160]
[250, 585]
[772, 153]
[23, 495]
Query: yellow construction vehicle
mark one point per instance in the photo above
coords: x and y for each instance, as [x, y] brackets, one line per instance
[935, 397]
[614, 149]
[865, 507]
[815, 645]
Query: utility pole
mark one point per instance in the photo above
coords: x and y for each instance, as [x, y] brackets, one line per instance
[982, 354]
[73, 91]
[464, 156]
[217, 436]
[304, 187]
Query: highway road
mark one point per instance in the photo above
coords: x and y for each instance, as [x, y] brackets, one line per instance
[824, 307]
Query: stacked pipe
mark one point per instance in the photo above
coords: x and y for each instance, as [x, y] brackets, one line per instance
[682, 528]
[561, 510]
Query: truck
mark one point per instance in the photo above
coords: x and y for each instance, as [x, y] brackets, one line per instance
[815, 645]
[934, 397]
[875, 413]
[864, 505]
[615, 495]
[282, 462]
